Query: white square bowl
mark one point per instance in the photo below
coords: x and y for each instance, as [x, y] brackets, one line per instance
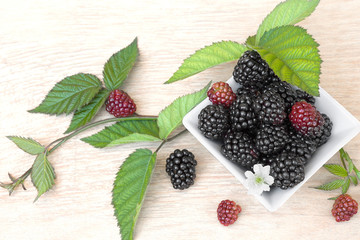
[345, 127]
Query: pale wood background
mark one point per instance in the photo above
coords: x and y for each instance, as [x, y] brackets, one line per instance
[43, 41]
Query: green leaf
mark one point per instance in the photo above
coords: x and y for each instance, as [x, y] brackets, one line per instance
[357, 172]
[293, 55]
[354, 180]
[346, 186]
[118, 66]
[129, 189]
[28, 145]
[88, 112]
[42, 174]
[70, 94]
[171, 117]
[286, 13]
[351, 166]
[332, 198]
[207, 57]
[336, 170]
[126, 130]
[331, 185]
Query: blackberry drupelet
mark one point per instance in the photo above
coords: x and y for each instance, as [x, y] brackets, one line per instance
[239, 148]
[301, 95]
[180, 166]
[301, 146]
[286, 92]
[270, 107]
[251, 71]
[242, 115]
[326, 131]
[287, 170]
[213, 121]
[271, 139]
[306, 120]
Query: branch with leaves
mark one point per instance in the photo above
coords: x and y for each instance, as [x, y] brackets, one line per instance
[289, 50]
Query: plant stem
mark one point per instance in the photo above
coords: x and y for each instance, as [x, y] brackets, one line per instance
[170, 139]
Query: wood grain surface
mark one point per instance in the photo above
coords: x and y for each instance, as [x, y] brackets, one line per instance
[43, 41]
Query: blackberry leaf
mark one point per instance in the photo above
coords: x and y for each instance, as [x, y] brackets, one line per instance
[118, 66]
[207, 57]
[293, 55]
[28, 145]
[354, 180]
[172, 116]
[332, 185]
[286, 13]
[87, 112]
[346, 186]
[336, 170]
[126, 130]
[42, 174]
[129, 189]
[70, 94]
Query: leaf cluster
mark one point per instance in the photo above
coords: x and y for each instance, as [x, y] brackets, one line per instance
[348, 173]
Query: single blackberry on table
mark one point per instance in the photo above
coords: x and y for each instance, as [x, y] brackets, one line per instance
[180, 166]
[326, 131]
[251, 71]
[213, 121]
[304, 96]
[242, 115]
[306, 119]
[239, 148]
[120, 104]
[271, 138]
[287, 170]
[344, 208]
[270, 107]
[301, 146]
[221, 93]
[286, 92]
[227, 212]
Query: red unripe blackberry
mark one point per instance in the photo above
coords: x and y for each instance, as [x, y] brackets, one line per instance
[120, 104]
[227, 212]
[344, 208]
[306, 119]
[221, 93]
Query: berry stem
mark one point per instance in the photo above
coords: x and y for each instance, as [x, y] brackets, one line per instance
[170, 139]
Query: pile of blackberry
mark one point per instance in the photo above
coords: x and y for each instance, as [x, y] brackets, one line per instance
[269, 122]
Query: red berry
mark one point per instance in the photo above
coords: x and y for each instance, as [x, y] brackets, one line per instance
[221, 93]
[120, 104]
[306, 119]
[227, 212]
[344, 208]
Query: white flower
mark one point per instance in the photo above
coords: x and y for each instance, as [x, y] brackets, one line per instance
[258, 181]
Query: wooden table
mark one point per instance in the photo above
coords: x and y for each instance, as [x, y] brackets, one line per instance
[44, 41]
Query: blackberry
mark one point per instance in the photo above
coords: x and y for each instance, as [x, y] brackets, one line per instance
[270, 107]
[306, 119]
[344, 208]
[242, 115]
[239, 148]
[221, 93]
[304, 96]
[326, 131]
[213, 121]
[227, 212]
[120, 104]
[301, 146]
[271, 139]
[180, 166]
[251, 71]
[287, 170]
[286, 92]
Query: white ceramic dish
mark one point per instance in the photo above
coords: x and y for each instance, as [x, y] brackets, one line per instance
[345, 127]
